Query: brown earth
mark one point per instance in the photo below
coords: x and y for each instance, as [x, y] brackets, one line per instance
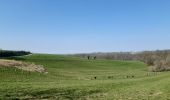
[22, 65]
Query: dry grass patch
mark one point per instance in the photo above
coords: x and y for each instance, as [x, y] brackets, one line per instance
[22, 65]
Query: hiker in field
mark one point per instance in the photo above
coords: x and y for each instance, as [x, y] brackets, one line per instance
[88, 57]
[94, 57]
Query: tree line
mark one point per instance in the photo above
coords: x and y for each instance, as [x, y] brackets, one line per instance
[158, 60]
[9, 53]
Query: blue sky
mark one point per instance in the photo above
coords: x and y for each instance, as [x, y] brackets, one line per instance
[78, 26]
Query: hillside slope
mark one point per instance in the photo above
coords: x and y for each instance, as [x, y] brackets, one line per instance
[76, 78]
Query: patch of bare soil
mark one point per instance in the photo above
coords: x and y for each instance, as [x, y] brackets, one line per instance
[22, 65]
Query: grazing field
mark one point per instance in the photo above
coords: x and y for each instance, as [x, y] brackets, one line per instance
[72, 78]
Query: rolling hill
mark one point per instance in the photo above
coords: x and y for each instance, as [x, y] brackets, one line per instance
[74, 78]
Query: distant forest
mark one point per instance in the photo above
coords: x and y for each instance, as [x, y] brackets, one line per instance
[158, 60]
[9, 53]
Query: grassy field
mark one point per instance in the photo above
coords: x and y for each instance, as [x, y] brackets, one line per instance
[72, 78]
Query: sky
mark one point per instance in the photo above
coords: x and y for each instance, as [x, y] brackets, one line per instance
[84, 26]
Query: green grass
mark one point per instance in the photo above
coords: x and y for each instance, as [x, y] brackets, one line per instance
[72, 78]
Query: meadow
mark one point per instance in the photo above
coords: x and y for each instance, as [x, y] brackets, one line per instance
[74, 78]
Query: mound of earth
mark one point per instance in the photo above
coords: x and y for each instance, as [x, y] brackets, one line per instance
[22, 65]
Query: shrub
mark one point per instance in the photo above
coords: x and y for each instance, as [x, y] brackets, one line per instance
[161, 65]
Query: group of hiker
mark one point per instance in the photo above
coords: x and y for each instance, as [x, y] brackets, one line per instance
[89, 57]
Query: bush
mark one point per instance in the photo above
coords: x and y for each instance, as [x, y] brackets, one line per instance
[161, 65]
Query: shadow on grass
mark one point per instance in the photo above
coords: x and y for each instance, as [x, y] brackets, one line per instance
[14, 58]
[59, 94]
